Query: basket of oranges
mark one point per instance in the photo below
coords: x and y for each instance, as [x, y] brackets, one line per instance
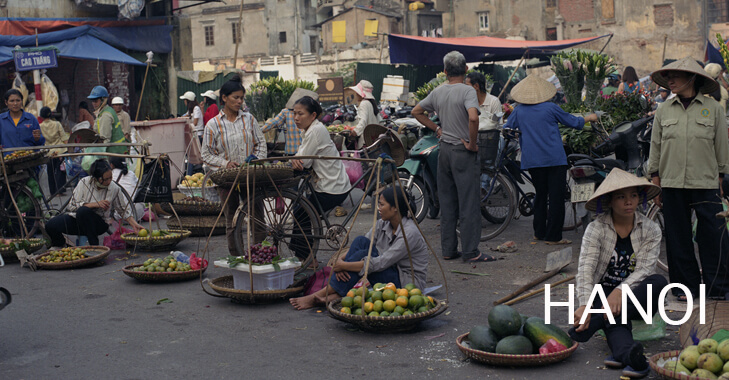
[385, 308]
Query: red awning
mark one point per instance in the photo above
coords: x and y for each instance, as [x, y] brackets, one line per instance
[28, 26]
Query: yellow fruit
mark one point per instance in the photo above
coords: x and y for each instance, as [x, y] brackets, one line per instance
[142, 233]
[368, 307]
[403, 293]
[415, 292]
[346, 310]
[351, 293]
[378, 306]
[362, 292]
[347, 301]
[389, 306]
[391, 286]
[402, 301]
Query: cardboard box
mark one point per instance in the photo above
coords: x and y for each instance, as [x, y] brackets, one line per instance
[396, 85]
[393, 97]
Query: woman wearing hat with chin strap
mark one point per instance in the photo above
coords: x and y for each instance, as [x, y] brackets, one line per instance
[619, 248]
[193, 112]
[366, 110]
[124, 119]
[210, 103]
[688, 157]
[543, 153]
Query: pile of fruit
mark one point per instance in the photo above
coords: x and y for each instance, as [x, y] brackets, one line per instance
[196, 180]
[64, 255]
[193, 199]
[263, 253]
[167, 264]
[18, 154]
[708, 360]
[339, 128]
[156, 233]
[512, 333]
[386, 300]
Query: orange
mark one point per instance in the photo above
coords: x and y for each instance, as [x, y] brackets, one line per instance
[389, 306]
[402, 301]
[368, 307]
[391, 286]
[415, 292]
[351, 293]
[346, 310]
[388, 294]
[403, 293]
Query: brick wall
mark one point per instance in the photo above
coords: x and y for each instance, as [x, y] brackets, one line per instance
[663, 14]
[577, 10]
[77, 77]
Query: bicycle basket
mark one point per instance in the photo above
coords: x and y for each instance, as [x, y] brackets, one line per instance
[488, 147]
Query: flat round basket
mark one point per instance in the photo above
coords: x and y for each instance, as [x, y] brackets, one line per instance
[31, 157]
[192, 208]
[224, 286]
[8, 252]
[385, 324]
[198, 226]
[162, 276]
[666, 374]
[226, 177]
[532, 360]
[717, 318]
[96, 253]
[155, 243]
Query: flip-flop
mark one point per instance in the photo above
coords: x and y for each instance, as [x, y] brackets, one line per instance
[457, 255]
[481, 258]
[561, 242]
[681, 298]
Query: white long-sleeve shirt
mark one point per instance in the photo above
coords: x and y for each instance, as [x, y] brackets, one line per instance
[332, 178]
[225, 141]
[365, 116]
[87, 192]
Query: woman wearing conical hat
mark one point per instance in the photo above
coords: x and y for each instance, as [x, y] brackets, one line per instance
[620, 247]
[543, 153]
[688, 157]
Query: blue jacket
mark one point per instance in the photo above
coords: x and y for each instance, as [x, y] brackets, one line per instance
[22, 135]
[541, 143]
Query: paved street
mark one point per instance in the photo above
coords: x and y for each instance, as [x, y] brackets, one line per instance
[97, 323]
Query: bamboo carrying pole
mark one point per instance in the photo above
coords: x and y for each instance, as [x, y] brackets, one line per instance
[141, 94]
[512, 74]
[528, 286]
[525, 296]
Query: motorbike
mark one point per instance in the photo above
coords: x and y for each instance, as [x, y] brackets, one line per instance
[419, 173]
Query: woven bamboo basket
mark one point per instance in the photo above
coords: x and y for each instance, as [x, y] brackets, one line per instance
[385, 324]
[666, 374]
[96, 253]
[162, 276]
[717, 318]
[532, 360]
[192, 208]
[8, 252]
[31, 157]
[278, 172]
[224, 286]
[198, 226]
[155, 243]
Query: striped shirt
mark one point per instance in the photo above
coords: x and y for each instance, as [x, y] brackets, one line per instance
[285, 118]
[87, 192]
[225, 141]
[598, 245]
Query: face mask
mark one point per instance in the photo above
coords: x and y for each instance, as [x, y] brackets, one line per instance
[101, 186]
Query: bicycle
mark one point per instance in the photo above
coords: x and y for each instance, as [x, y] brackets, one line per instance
[502, 195]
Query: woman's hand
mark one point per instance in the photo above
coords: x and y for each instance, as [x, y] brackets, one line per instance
[297, 164]
[591, 118]
[339, 271]
[136, 226]
[231, 165]
[36, 134]
[102, 204]
[614, 301]
[578, 315]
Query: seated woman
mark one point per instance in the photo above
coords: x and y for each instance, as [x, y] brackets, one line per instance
[332, 182]
[94, 199]
[390, 261]
[619, 248]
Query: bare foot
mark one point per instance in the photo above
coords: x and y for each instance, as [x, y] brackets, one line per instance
[324, 299]
[303, 303]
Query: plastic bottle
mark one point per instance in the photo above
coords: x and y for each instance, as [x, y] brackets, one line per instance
[181, 257]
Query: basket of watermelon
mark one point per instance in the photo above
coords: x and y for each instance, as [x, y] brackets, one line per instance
[512, 339]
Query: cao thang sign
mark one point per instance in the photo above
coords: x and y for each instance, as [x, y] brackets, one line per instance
[27, 59]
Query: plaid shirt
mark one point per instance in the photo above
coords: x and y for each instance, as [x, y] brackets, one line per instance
[598, 245]
[285, 118]
[225, 141]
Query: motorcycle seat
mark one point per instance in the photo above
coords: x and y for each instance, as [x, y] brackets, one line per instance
[606, 163]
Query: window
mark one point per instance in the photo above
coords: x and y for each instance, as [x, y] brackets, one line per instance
[483, 21]
[551, 3]
[551, 34]
[313, 44]
[282, 37]
[236, 32]
[209, 36]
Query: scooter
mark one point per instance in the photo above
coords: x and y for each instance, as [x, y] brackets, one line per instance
[419, 172]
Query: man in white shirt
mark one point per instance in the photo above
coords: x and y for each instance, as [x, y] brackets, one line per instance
[124, 119]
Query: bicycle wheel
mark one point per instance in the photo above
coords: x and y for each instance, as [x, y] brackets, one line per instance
[274, 219]
[126, 202]
[498, 206]
[418, 193]
[30, 210]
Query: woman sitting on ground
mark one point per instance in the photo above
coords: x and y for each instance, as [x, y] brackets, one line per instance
[389, 262]
[620, 247]
[94, 199]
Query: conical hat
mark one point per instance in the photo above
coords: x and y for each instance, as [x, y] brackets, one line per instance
[619, 179]
[533, 90]
[690, 66]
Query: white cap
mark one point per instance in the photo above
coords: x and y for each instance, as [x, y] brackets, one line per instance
[188, 96]
[210, 94]
[117, 100]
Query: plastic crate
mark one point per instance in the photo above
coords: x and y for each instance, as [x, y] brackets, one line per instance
[488, 147]
[211, 192]
[265, 277]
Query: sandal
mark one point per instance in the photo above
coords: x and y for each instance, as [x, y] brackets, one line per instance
[453, 257]
[681, 298]
[481, 258]
[561, 242]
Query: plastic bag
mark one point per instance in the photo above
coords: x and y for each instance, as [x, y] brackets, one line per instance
[353, 168]
[49, 92]
[90, 159]
[30, 106]
[653, 331]
[318, 281]
[115, 241]
[156, 185]
[197, 262]
[19, 85]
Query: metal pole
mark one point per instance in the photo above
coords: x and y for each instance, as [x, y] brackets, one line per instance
[37, 82]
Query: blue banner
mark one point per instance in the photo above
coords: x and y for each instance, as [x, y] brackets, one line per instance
[35, 60]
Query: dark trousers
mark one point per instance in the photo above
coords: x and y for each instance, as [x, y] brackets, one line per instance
[459, 196]
[56, 177]
[327, 201]
[86, 223]
[620, 336]
[231, 207]
[549, 186]
[358, 252]
[711, 238]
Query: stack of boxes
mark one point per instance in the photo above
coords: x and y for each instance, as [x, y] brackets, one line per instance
[395, 90]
